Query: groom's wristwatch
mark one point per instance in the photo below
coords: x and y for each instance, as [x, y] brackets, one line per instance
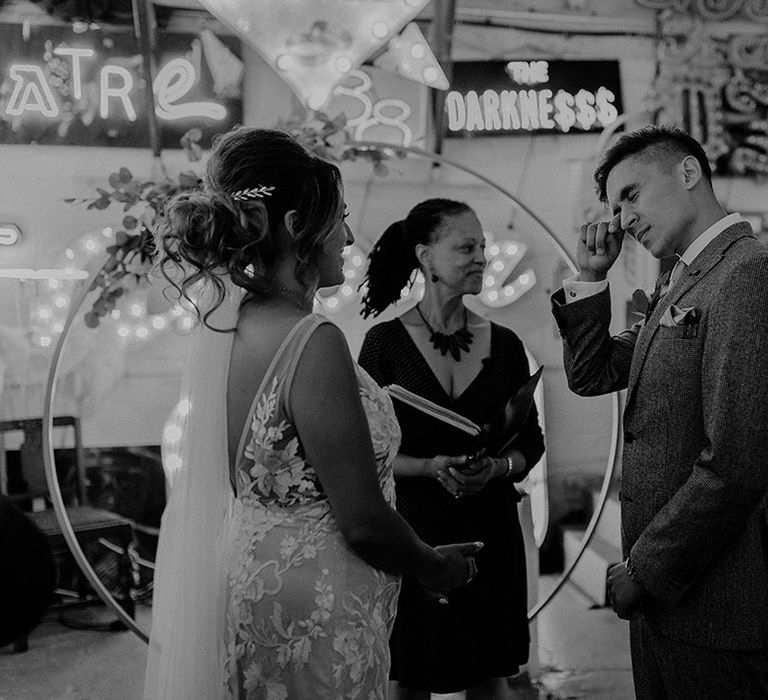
[631, 571]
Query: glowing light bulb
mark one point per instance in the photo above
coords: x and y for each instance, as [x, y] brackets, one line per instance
[184, 406]
[173, 462]
[333, 303]
[53, 284]
[135, 309]
[285, 61]
[511, 249]
[315, 102]
[498, 266]
[90, 245]
[343, 64]
[159, 322]
[380, 30]
[60, 301]
[524, 278]
[346, 290]
[493, 295]
[44, 313]
[45, 341]
[69, 253]
[418, 51]
[123, 331]
[490, 280]
[172, 433]
[107, 232]
[116, 314]
[142, 332]
[430, 74]
[58, 327]
[494, 250]
[357, 260]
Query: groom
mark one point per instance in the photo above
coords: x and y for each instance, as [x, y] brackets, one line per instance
[695, 462]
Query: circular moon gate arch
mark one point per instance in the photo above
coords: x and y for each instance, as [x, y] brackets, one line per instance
[75, 309]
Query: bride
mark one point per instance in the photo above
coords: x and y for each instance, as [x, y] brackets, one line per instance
[280, 553]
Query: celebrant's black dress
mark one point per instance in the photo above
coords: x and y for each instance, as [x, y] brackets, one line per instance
[483, 632]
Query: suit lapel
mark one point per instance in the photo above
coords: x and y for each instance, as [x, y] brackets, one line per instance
[694, 273]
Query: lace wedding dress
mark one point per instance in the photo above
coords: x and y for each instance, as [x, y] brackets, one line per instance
[256, 594]
[306, 617]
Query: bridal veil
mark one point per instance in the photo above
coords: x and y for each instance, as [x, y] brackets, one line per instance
[186, 648]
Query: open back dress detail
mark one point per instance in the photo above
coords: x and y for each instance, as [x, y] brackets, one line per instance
[306, 617]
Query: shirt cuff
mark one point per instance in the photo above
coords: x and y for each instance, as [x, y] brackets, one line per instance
[575, 289]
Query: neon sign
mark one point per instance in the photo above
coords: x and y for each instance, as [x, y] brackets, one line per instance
[9, 234]
[508, 97]
[380, 106]
[86, 89]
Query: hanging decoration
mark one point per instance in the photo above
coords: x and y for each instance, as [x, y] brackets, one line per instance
[713, 10]
[713, 82]
[410, 56]
[313, 45]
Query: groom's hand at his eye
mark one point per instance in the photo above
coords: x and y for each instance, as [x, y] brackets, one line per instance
[598, 247]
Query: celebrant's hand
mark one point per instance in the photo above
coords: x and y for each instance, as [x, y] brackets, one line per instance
[437, 466]
[470, 478]
[625, 595]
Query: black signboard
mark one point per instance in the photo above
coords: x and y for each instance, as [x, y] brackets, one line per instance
[61, 87]
[491, 98]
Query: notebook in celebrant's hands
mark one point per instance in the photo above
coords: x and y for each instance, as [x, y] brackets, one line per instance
[458, 435]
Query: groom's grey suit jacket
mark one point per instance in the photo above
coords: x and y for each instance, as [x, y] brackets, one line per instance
[695, 459]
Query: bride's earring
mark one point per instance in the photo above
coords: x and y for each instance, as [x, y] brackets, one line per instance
[434, 277]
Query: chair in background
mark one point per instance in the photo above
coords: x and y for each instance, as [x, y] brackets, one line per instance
[22, 480]
[28, 576]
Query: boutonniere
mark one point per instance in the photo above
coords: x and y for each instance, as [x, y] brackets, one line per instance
[686, 316]
[644, 303]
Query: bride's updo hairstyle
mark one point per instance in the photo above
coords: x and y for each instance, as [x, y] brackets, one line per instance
[392, 262]
[230, 226]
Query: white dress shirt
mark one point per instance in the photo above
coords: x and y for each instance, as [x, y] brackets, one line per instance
[575, 289]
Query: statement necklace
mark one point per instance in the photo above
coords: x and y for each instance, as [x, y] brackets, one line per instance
[449, 342]
[302, 300]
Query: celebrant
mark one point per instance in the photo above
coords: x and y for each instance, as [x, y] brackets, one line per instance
[451, 484]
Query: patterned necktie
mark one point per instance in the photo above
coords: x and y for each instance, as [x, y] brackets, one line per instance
[677, 270]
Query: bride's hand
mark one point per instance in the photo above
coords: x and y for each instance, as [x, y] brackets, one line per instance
[457, 566]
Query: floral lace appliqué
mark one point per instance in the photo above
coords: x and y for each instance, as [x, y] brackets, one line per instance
[302, 606]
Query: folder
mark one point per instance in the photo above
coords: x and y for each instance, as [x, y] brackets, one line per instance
[456, 434]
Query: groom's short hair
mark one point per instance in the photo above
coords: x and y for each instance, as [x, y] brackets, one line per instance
[659, 142]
